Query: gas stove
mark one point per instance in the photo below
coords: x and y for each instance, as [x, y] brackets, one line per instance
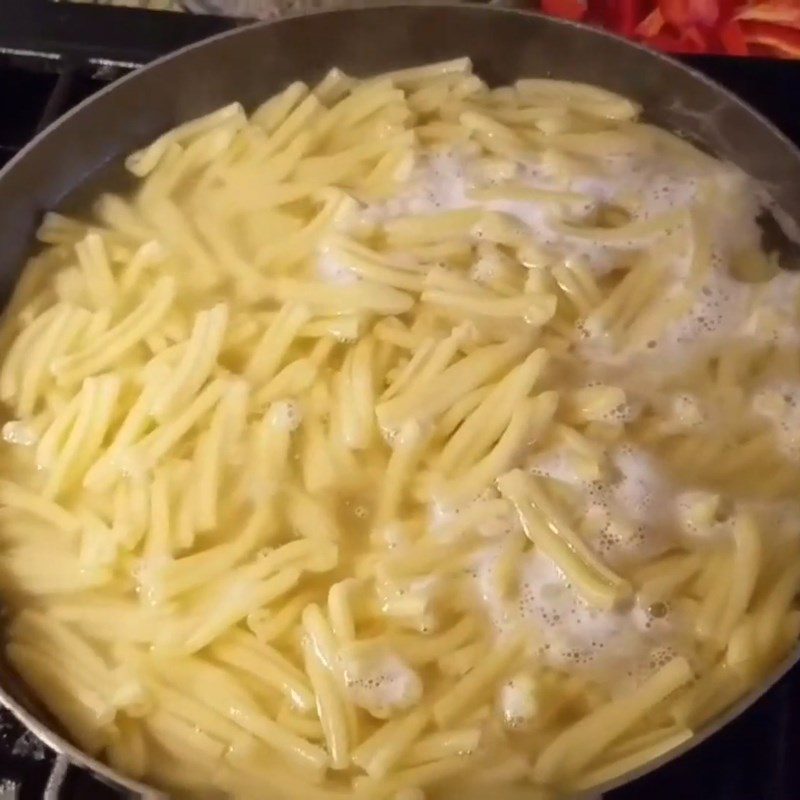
[52, 56]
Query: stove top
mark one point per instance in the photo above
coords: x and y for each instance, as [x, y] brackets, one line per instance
[52, 56]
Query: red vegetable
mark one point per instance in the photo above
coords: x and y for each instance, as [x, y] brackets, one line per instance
[736, 27]
[623, 15]
[651, 25]
[566, 9]
[779, 40]
[780, 12]
[684, 14]
[732, 38]
[677, 44]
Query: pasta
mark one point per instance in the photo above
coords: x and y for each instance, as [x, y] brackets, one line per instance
[403, 439]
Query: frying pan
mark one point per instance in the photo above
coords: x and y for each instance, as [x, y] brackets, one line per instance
[82, 151]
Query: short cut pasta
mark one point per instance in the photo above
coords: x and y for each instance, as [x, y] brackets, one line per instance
[402, 438]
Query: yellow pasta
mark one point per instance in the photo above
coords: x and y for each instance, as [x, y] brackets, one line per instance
[268, 354]
[73, 708]
[547, 528]
[457, 701]
[385, 748]
[330, 708]
[266, 665]
[443, 744]
[405, 438]
[469, 373]
[525, 426]
[127, 752]
[630, 762]
[14, 496]
[475, 433]
[578, 745]
[144, 161]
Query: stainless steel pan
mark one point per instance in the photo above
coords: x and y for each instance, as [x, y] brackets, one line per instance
[84, 148]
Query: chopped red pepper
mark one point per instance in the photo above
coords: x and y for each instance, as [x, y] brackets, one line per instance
[566, 9]
[732, 39]
[651, 25]
[783, 41]
[685, 13]
[624, 15]
[780, 12]
[736, 27]
[674, 44]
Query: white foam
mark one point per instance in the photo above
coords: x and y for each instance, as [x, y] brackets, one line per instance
[20, 433]
[774, 317]
[288, 414]
[500, 526]
[443, 181]
[382, 684]
[627, 510]
[686, 410]
[779, 403]
[518, 701]
[646, 184]
[411, 603]
[571, 634]
[697, 515]
[641, 490]
[558, 463]
[331, 270]
[628, 515]
[438, 182]
[716, 315]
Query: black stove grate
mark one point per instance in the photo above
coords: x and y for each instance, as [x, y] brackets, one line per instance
[52, 56]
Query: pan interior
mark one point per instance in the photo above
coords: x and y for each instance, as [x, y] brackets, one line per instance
[61, 169]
